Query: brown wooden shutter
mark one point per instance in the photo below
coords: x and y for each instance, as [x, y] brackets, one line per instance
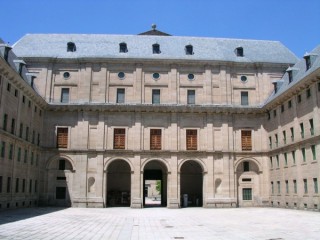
[192, 140]
[119, 138]
[246, 141]
[155, 139]
[62, 137]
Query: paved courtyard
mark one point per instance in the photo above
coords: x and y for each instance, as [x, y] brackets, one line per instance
[159, 223]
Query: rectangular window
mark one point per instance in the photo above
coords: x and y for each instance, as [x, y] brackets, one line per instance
[246, 140]
[272, 188]
[271, 164]
[270, 142]
[38, 139]
[292, 134]
[302, 130]
[191, 97]
[282, 108]
[277, 158]
[9, 87]
[311, 127]
[276, 137]
[303, 151]
[23, 99]
[11, 151]
[274, 112]
[155, 96]
[21, 130]
[36, 186]
[315, 185]
[155, 139]
[17, 185]
[279, 187]
[33, 137]
[287, 187]
[25, 156]
[314, 154]
[62, 137]
[3, 149]
[293, 157]
[305, 186]
[60, 192]
[37, 160]
[23, 185]
[299, 98]
[246, 166]
[19, 154]
[244, 98]
[30, 186]
[119, 138]
[13, 126]
[308, 92]
[32, 156]
[285, 159]
[62, 164]
[1, 180]
[289, 104]
[27, 133]
[64, 95]
[295, 189]
[284, 137]
[192, 139]
[247, 193]
[120, 95]
[5, 122]
[8, 184]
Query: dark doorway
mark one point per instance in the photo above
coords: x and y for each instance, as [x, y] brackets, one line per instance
[155, 185]
[118, 184]
[191, 184]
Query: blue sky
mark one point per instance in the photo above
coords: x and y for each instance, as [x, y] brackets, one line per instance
[295, 23]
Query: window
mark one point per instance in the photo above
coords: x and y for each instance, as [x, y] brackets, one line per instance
[155, 96]
[282, 108]
[319, 86]
[191, 97]
[293, 157]
[23, 185]
[30, 185]
[289, 104]
[123, 48]
[308, 92]
[27, 133]
[38, 139]
[279, 187]
[155, 139]
[284, 137]
[274, 112]
[32, 157]
[311, 127]
[271, 163]
[60, 192]
[62, 137]
[33, 136]
[17, 185]
[189, 50]
[287, 187]
[272, 188]
[246, 166]
[29, 104]
[37, 160]
[299, 98]
[1, 180]
[244, 98]
[276, 138]
[295, 189]
[25, 156]
[21, 130]
[303, 151]
[269, 116]
[270, 142]
[285, 159]
[305, 186]
[3, 149]
[313, 150]
[239, 52]
[64, 95]
[16, 93]
[292, 134]
[278, 163]
[246, 141]
[192, 139]
[119, 138]
[11, 151]
[120, 95]
[315, 185]
[36, 186]
[247, 194]
[5, 121]
[308, 62]
[290, 75]
[71, 47]
[9, 87]
[156, 49]
[62, 164]
[19, 154]
[23, 99]
[8, 184]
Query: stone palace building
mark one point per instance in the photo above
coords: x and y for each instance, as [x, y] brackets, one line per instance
[87, 119]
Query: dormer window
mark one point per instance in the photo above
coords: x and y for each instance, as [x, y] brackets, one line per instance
[71, 47]
[123, 48]
[308, 62]
[290, 76]
[189, 50]
[309, 58]
[156, 49]
[6, 52]
[291, 73]
[19, 65]
[239, 51]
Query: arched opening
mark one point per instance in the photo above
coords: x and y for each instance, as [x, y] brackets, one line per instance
[60, 181]
[191, 184]
[118, 184]
[155, 184]
[248, 184]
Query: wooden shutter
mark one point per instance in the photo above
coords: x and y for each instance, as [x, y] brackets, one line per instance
[246, 141]
[119, 138]
[155, 139]
[62, 137]
[192, 140]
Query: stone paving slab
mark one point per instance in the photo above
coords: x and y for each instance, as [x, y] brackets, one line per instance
[159, 223]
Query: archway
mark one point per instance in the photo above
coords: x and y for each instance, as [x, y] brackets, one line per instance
[191, 184]
[155, 184]
[118, 184]
[60, 182]
[248, 183]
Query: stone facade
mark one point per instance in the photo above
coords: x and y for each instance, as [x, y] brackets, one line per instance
[203, 127]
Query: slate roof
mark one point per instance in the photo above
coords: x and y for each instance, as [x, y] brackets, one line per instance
[140, 47]
[300, 74]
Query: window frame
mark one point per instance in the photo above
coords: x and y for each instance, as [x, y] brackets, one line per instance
[246, 140]
[244, 98]
[155, 139]
[119, 138]
[192, 139]
[62, 137]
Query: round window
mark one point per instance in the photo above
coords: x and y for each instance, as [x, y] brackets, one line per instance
[191, 76]
[156, 76]
[243, 78]
[66, 75]
[121, 75]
